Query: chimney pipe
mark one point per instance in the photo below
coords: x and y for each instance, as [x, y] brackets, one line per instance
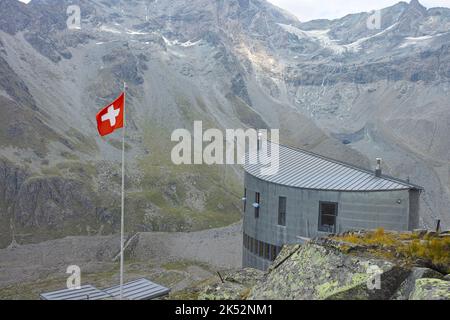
[378, 170]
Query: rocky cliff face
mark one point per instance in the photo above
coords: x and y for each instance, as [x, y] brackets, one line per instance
[335, 269]
[335, 87]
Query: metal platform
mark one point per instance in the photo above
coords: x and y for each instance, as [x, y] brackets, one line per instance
[86, 292]
[141, 289]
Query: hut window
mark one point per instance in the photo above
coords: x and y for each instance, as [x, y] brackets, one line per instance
[266, 251]
[282, 211]
[261, 249]
[257, 202]
[273, 253]
[327, 217]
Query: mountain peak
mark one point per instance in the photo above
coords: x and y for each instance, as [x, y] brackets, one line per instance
[416, 5]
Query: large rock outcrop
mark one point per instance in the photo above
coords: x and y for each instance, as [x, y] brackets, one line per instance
[372, 266]
[315, 271]
[431, 289]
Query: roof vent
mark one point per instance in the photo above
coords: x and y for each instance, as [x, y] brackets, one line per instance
[378, 170]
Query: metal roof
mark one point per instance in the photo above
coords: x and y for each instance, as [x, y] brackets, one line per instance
[86, 292]
[306, 170]
[141, 289]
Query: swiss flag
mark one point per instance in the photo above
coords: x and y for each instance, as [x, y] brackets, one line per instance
[111, 117]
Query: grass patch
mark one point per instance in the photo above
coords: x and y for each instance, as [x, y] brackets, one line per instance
[78, 169]
[189, 197]
[82, 143]
[118, 144]
[183, 265]
[409, 247]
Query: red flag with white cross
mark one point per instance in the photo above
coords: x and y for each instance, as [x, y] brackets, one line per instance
[111, 117]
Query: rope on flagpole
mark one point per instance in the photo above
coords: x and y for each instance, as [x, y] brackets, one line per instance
[122, 216]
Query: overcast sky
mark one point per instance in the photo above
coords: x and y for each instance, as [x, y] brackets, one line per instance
[329, 9]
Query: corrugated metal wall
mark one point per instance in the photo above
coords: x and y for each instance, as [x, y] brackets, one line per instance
[356, 210]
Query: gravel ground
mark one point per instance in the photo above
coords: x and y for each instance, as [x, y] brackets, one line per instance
[219, 248]
[215, 249]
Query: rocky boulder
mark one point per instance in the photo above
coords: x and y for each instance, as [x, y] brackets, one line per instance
[316, 271]
[235, 286]
[374, 265]
[409, 285]
[431, 289]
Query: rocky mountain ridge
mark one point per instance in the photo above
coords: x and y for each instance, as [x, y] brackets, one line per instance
[334, 87]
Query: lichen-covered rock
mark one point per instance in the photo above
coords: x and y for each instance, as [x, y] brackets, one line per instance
[224, 291]
[287, 252]
[431, 289]
[447, 277]
[236, 285]
[247, 277]
[408, 286]
[331, 269]
[316, 271]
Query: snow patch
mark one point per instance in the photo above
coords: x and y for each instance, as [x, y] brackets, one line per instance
[411, 41]
[110, 30]
[133, 32]
[356, 46]
[186, 44]
[320, 36]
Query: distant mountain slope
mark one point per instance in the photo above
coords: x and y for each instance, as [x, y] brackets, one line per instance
[335, 87]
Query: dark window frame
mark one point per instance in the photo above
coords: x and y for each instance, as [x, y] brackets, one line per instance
[261, 249]
[258, 201]
[245, 201]
[273, 252]
[322, 227]
[282, 215]
[267, 251]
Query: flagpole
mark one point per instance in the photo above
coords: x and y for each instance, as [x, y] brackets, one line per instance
[122, 224]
